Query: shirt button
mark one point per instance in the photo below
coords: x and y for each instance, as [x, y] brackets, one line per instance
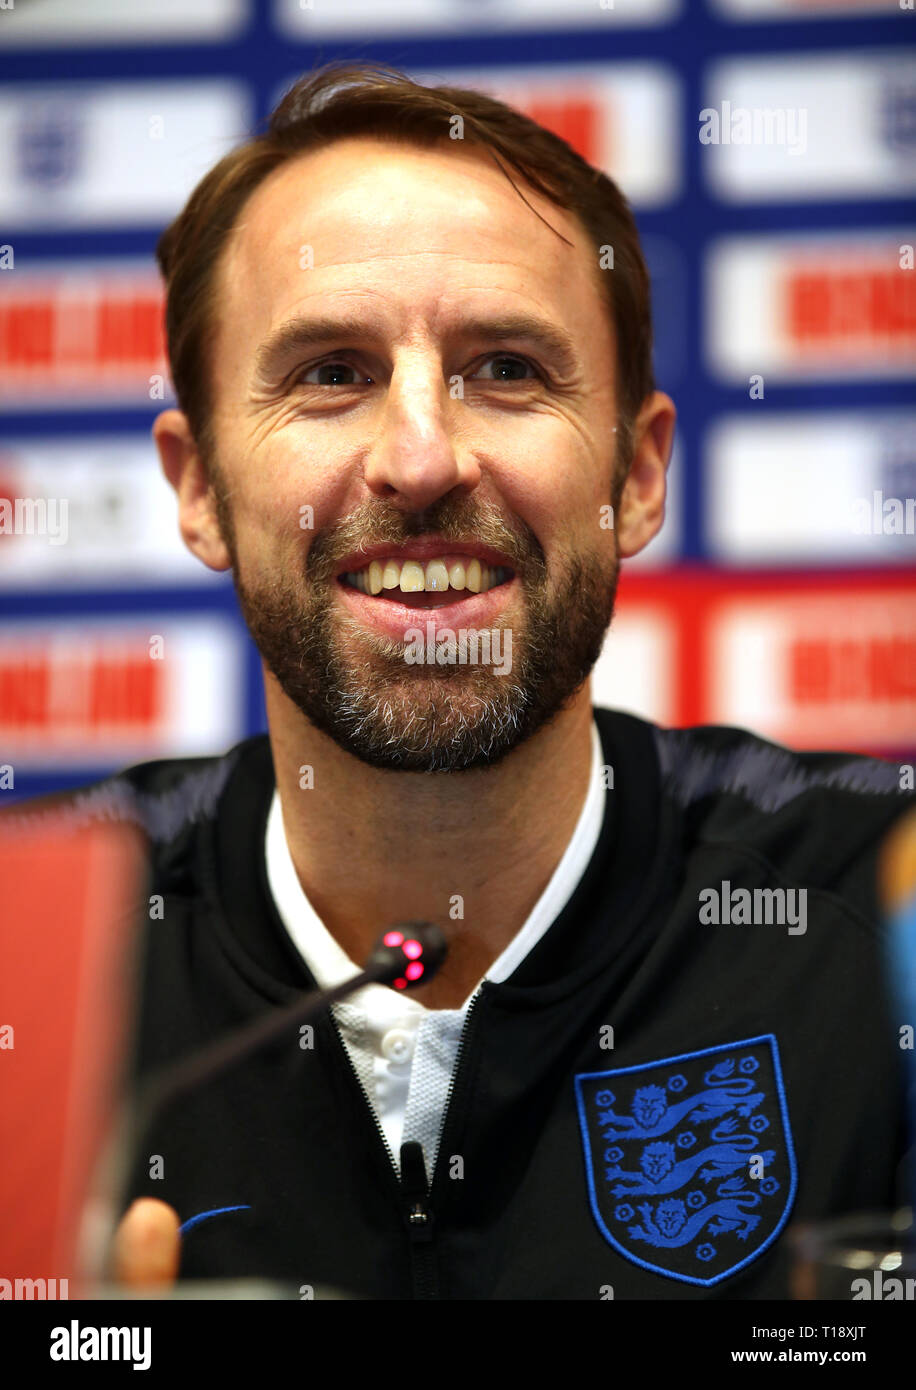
[397, 1045]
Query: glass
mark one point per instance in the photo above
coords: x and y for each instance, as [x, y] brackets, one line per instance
[870, 1256]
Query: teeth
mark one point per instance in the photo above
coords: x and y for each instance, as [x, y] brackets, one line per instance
[436, 576]
[413, 580]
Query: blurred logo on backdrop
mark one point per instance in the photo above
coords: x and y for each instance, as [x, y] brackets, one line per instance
[898, 115]
[49, 142]
[812, 487]
[111, 154]
[91, 510]
[623, 117]
[83, 334]
[826, 125]
[817, 306]
[304, 19]
[119, 689]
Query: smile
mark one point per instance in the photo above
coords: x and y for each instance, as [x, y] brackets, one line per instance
[429, 584]
[454, 591]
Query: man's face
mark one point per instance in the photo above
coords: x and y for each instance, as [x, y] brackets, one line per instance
[450, 399]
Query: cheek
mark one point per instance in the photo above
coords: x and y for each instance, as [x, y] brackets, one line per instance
[572, 521]
[559, 482]
[273, 530]
[307, 484]
[278, 506]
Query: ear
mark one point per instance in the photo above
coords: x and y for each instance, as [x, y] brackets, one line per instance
[641, 510]
[182, 465]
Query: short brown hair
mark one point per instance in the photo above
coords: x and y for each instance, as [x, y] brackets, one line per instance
[351, 99]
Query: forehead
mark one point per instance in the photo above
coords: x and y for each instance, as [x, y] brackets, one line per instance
[407, 232]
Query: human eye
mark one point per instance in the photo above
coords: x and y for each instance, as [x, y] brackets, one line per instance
[508, 367]
[333, 372]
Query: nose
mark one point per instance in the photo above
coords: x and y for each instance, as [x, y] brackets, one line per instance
[414, 457]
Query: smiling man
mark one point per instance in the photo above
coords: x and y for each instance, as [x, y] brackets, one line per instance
[420, 364]
[416, 392]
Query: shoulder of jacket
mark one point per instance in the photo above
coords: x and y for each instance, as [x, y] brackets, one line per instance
[717, 760]
[810, 813]
[162, 797]
[816, 816]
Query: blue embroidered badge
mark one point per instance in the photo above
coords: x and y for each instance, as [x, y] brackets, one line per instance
[690, 1166]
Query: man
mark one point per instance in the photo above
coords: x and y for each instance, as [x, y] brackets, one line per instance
[416, 397]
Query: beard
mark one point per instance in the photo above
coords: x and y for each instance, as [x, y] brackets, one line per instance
[356, 687]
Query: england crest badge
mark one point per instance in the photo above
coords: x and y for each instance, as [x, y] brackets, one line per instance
[689, 1160]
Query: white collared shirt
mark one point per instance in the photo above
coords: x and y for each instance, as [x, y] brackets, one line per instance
[404, 1053]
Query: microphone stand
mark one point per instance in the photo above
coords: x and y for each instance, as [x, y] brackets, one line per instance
[387, 963]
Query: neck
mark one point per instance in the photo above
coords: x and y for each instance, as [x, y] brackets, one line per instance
[470, 851]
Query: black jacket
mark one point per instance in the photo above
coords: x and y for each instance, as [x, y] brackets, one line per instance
[647, 1104]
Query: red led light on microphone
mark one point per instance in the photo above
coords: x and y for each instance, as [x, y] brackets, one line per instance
[408, 953]
[413, 949]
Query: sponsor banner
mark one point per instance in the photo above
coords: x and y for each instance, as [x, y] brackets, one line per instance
[101, 155]
[90, 511]
[837, 125]
[803, 9]
[91, 692]
[825, 487]
[83, 334]
[307, 19]
[822, 306]
[808, 660]
[60, 23]
[820, 668]
[637, 668]
[623, 117]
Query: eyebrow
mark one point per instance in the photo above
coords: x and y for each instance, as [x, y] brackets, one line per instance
[301, 334]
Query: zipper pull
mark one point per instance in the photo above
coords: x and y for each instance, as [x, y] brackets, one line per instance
[415, 1187]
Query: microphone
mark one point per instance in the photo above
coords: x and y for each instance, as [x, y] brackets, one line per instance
[421, 944]
[404, 956]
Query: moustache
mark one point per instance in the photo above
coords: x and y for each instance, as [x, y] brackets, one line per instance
[452, 522]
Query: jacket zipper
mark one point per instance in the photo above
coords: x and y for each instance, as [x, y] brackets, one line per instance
[411, 1184]
[392, 1165]
[449, 1107]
